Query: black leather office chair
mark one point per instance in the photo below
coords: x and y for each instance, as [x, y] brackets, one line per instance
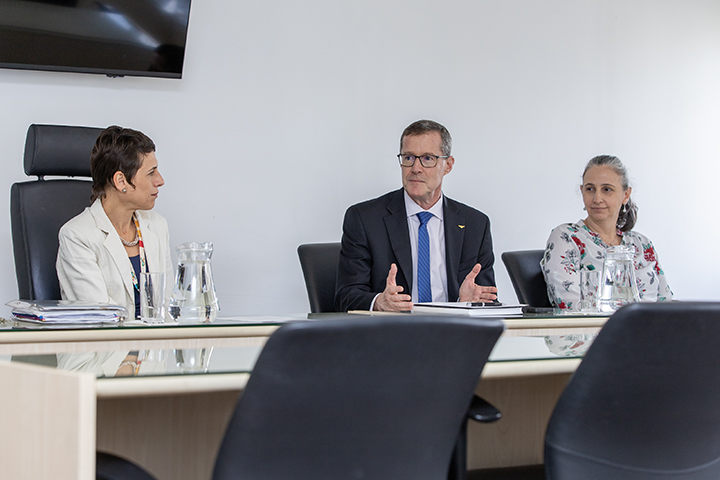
[643, 404]
[37, 211]
[319, 265]
[372, 398]
[526, 276]
[111, 467]
[39, 208]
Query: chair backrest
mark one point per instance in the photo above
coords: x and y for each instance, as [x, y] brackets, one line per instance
[372, 398]
[319, 265]
[643, 404]
[526, 276]
[39, 208]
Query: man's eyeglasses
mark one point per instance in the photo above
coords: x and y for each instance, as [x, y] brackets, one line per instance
[427, 161]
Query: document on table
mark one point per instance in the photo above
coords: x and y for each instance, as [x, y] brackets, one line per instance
[471, 309]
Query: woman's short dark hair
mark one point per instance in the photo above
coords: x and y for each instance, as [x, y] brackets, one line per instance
[628, 213]
[117, 149]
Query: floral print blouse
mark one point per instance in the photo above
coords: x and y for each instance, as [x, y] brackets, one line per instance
[573, 247]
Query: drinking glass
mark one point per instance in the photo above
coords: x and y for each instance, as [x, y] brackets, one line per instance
[589, 283]
[152, 297]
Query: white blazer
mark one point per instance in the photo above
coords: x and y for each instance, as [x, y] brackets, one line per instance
[93, 265]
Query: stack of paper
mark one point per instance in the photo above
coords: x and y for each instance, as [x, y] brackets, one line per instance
[472, 309]
[66, 312]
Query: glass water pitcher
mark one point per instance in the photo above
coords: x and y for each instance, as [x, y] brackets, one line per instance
[194, 299]
[617, 284]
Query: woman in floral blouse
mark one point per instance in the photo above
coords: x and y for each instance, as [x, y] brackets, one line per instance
[582, 245]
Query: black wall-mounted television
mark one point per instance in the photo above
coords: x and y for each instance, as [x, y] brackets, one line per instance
[111, 37]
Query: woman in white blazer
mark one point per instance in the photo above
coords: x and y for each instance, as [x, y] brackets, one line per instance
[104, 249]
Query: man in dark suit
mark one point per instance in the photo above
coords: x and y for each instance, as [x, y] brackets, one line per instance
[379, 268]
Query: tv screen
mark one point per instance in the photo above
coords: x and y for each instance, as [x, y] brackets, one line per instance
[112, 37]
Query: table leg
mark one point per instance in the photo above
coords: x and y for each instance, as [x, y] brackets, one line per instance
[174, 437]
[517, 438]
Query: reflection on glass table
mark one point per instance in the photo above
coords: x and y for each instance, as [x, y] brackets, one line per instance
[193, 360]
[186, 361]
[574, 345]
[220, 360]
[512, 349]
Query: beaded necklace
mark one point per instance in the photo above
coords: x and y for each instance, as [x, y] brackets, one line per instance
[131, 244]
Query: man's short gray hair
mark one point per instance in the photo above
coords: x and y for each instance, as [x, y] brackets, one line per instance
[422, 127]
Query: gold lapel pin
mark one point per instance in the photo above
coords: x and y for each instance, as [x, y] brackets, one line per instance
[461, 226]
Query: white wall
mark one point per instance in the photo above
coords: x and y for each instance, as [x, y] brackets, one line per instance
[288, 112]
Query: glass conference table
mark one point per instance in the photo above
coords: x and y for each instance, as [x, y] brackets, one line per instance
[72, 390]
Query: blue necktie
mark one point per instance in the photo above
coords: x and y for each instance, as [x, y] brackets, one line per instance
[423, 280]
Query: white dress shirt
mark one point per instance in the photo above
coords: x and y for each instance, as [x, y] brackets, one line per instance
[436, 232]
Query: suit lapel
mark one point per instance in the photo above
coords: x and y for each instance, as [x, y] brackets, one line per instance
[454, 238]
[113, 245]
[397, 229]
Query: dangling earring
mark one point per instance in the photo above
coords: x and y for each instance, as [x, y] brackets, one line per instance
[623, 209]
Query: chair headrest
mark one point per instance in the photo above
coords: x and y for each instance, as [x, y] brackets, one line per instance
[59, 150]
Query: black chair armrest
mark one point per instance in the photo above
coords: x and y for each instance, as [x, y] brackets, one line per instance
[481, 411]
